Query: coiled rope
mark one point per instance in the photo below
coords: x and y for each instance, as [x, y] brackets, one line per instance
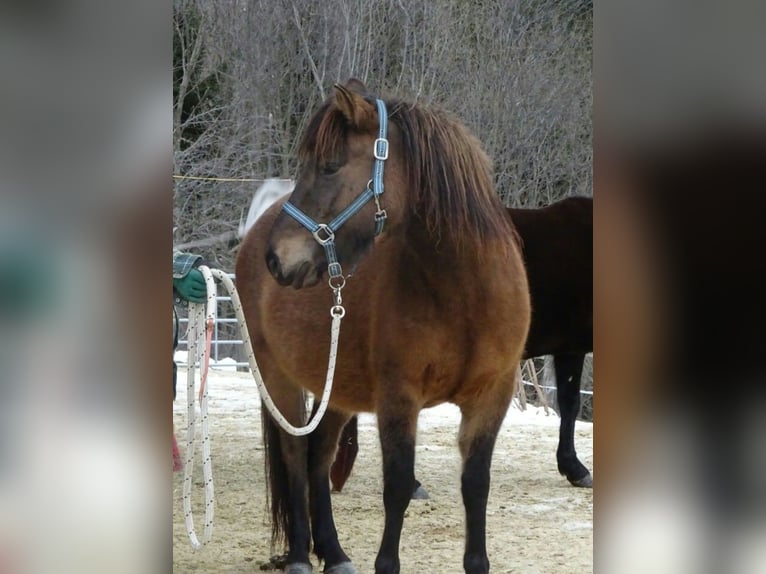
[199, 337]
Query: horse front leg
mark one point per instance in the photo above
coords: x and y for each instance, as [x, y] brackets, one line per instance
[322, 446]
[568, 375]
[480, 423]
[286, 459]
[298, 532]
[397, 424]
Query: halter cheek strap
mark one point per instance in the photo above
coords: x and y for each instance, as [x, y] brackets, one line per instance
[324, 233]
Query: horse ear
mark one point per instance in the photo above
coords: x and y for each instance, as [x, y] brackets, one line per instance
[357, 86]
[359, 112]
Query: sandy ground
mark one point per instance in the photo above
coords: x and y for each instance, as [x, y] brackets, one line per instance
[536, 522]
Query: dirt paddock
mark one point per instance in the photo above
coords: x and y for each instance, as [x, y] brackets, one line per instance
[536, 522]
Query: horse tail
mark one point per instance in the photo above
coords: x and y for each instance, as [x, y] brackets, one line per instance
[276, 478]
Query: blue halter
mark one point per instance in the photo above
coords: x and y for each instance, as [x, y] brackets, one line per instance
[324, 233]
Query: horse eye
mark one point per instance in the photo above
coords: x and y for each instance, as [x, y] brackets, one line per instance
[329, 168]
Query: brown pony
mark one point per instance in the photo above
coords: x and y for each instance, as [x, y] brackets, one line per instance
[437, 307]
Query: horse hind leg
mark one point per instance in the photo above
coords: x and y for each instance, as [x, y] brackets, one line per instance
[480, 423]
[322, 445]
[568, 374]
[348, 448]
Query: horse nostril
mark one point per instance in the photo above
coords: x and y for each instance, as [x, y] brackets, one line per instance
[272, 262]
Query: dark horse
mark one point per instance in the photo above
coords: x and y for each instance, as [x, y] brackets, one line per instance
[557, 241]
[437, 311]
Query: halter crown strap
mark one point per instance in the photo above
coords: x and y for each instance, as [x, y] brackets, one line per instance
[324, 233]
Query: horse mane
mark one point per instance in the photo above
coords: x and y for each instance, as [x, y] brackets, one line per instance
[447, 170]
[451, 176]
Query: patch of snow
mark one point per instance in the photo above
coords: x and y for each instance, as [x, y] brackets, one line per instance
[232, 391]
[225, 364]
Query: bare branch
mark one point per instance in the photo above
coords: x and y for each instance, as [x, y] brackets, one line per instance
[306, 49]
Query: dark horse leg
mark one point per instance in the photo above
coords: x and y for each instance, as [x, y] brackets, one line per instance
[479, 426]
[348, 447]
[322, 446]
[397, 424]
[286, 463]
[287, 459]
[568, 374]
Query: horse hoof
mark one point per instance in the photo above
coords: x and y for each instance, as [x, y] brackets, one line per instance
[585, 482]
[299, 568]
[420, 493]
[342, 568]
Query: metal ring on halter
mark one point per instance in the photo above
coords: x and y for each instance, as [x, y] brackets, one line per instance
[340, 284]
[337, 311]
[323, 240]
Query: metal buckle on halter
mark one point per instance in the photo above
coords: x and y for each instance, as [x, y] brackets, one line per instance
[323, 240]
[376, 150]
[334, 270]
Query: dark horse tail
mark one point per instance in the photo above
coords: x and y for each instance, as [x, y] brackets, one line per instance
[276, 478]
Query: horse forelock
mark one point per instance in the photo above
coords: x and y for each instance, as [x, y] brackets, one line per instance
[325, 135]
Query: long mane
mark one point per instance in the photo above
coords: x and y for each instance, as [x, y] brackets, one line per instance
[448, 172]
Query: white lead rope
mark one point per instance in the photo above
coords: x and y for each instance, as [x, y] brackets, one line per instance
[199, 351]
[337, 312]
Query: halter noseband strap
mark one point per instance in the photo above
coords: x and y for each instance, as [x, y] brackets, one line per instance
[324, 233]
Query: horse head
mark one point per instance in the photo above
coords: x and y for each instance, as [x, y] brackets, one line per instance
[337, 207]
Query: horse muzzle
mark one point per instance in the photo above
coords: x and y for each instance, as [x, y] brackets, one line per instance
[289, 270]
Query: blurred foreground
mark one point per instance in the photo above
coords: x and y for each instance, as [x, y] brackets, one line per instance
[85, 218]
